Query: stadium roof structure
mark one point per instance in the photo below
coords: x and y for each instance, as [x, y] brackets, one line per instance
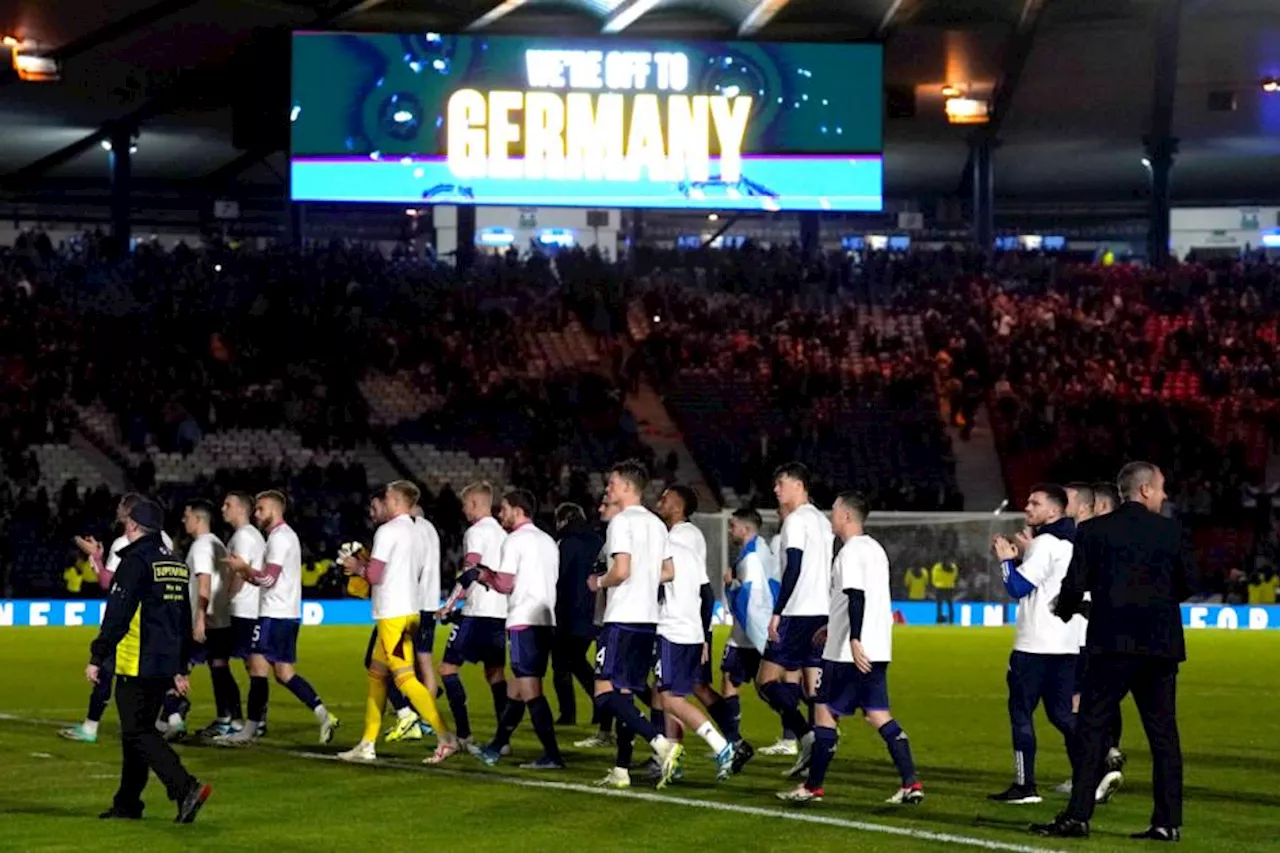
[1072, 82]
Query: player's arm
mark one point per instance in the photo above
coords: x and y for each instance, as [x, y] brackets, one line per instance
[707, 599]
[668, 571]
[1076, 583]
[374, 570]
[618, 545]
[1020, 580]
[790, 577]
[122, 604]
[853, 583]
[503, 580]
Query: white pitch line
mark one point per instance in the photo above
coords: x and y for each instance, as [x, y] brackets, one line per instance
[644, 796]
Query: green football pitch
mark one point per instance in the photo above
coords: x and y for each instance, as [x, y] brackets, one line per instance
[287, 794]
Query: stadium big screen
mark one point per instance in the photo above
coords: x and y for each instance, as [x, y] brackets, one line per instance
[509, 120]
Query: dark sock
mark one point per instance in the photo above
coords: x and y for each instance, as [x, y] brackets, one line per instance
[306, 694]
[259, 692]
[512, 714]
[223, 686]
[824, 749]
[396, 698]
[779, 699]
[99, 698]
[628, 715]
[794, 695]
[717, 711]
[1117, 728]
[645, 695]
[458, 705]
[563, 684]
[732, 718]
[624, 754]
[900, 751]
[808, 701]
[659, 720]
[499, 693]
[544, 726]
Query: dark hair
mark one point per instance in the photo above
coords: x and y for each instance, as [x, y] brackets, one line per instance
[1134, 476]
[202, 508]
[129, 499]
[568, 513]
[1106, 491]
[245, 499]
[794, 470]
[748, 515]
[523, 500]
[1055, 493]
[634, 472]
[687, 498]
[856, 503]
[1084, 490]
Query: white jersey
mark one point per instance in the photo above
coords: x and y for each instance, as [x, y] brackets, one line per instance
[205, 557]
[751, 598]
[483, 543]
[429, 576]
[640, 534]
[861, 564]
[1036, 584]
[247, 544]
[687, 534]
[680, 614]
[399, 546]
[283, 599]
[808, 530]
[122, 542]
[532, 556]
[1081, 626]
[775, 548]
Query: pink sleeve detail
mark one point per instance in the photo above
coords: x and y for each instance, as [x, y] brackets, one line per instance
[471, 559]
[373, 571]
[498, 581]
[268, 576]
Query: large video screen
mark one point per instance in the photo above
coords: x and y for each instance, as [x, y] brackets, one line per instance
[505, 120]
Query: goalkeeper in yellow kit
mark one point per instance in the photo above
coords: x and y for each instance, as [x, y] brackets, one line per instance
[392, 573]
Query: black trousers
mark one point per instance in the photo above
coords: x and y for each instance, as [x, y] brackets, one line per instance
[138, 701]
[569, 661]
[947, 597]
[1153, 683]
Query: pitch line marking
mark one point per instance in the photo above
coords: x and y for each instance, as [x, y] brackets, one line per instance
[645, 796]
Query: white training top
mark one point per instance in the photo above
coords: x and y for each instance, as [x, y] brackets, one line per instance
[399, 545]
[205, 557]
[484, 539]
[429, 575]
[680, 614]
[1038, 630]
[247, 543]
[532, 556]
[686, 533]
[861, 564]
[283, 600]
[808, 530]
[756, 575]
[642, 535]
[122, 542]
[775, 548]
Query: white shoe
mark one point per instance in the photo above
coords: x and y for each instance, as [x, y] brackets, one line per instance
[1064, 788]
[1107, 788]
[617, 778]
[784, 746]
[805, 756]
[801, 794]
[599, 740]
[363, 752]
[328, 726]
[668, 753]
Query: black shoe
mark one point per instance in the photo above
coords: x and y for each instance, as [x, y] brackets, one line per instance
[118, 814]
[566, 721]
[1159, 833]
[1062, 827]
[1017, 795]
[192, 802]
[742, 753]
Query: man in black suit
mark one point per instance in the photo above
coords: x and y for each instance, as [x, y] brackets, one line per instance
[1133, 565]
[580, 546]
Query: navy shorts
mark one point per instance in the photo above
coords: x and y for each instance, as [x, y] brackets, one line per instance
[679, 667]
[845, 690]
[424, 638]
[796, 648]
[624, 654]
[277, 639]
[199, 652]
[530, 650]
[220, 642]
[242, 631]
[478, 639]
[740, 664]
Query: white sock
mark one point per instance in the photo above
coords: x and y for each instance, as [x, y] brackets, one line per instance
[250, 728]
[321, 712]
[175, 720]
[660, 743]
[89, 727]
[406, 712]
[224, 720]
[714, 739]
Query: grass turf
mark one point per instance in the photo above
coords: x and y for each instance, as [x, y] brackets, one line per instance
[947, 686]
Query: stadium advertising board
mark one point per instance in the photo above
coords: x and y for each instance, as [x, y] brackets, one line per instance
[969, 614]
[535, 121]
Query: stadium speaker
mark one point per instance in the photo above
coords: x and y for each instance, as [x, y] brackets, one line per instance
[597, 219]
[260, 83]
[1222, 102]
[900, 101]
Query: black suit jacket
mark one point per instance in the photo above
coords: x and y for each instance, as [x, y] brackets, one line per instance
[1133, 565]
[575, 604]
